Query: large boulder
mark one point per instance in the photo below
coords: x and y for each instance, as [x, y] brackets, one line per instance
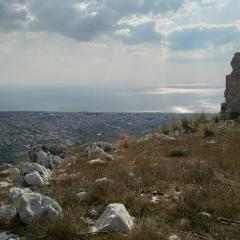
[37, 155]
[115, 218]
[15, 193]
[31, 206]
[7, 212]
[8, 236]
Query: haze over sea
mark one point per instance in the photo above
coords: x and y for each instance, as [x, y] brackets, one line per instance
[180, 98]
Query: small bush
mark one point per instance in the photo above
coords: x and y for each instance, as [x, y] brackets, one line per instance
[178, 152]
[165, 130]
[187, 125]
[216, 118]
[208, 130]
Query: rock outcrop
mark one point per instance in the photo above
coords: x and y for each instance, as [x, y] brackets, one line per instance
[38, 155]
[232, 92]
[96, 150]
[115, 218]
[33, 175]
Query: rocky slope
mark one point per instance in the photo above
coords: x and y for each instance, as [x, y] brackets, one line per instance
[181, 183]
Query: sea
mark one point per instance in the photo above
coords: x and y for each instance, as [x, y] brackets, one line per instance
[177, 98]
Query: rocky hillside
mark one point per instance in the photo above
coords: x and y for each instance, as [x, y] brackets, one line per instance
[181, 183]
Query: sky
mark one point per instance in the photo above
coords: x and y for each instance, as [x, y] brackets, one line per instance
[117, 42]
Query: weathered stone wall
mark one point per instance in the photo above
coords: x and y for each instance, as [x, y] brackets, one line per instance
[232, 92]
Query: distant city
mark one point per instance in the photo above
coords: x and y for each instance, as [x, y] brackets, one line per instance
[20, 130]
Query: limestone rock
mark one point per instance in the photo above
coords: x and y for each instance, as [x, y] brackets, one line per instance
[31, 206]
[97, 150]
[32, 174]
[26, 168]
[114, 219]
[174, 237]
[8, 236]
[5, 184]
[232, 92]
[96, 161]
[34, 179]
[37, 155]
[15, 193]
[7, 212]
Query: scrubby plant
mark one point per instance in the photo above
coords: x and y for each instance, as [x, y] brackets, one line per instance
[165, 130]
[216, 118]
[178, 152]
[209, 130]
[187, 125]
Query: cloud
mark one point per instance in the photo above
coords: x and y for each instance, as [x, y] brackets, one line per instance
[202, 35]
[85, 20]
[13, 15]
[163, 22]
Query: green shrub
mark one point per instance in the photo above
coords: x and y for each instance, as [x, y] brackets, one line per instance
[209, 130]
[165, 130]
[187, 125]
[178, 152]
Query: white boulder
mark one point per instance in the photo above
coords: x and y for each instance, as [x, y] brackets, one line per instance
[7, 212]
[31, 206]
[35, 180]
[8, 236]
[115, 218]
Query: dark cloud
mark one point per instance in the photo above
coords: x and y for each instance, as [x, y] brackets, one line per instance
[99, 17]
[11, 15]
[84, 20]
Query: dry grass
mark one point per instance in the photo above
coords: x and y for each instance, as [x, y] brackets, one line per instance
[206, 179]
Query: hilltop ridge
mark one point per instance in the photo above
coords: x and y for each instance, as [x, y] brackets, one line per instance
[180, 183]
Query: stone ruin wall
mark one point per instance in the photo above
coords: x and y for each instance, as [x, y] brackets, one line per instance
[232, 92]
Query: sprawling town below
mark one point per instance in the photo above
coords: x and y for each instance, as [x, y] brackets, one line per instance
[20, 130]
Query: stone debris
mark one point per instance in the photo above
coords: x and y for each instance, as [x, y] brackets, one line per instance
[8, 236]
[31, 206]
[115, 218]
[102, 180]
[232, 92]
[205, 214]
[174, 237]
[82, 193]
[96, 161]
[4, 184]
[159, 136]
[7, 212]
